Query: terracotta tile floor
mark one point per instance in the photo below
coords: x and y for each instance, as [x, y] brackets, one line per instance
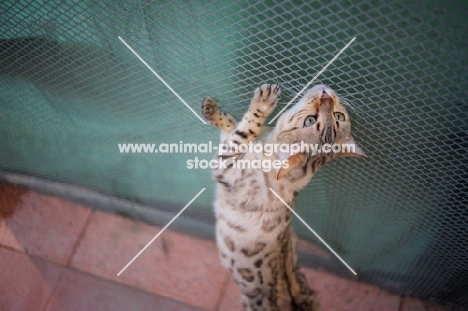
[56, 255]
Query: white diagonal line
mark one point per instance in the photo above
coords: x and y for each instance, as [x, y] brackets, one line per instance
[312, 230]
[313, 79]
[162, 80]
[159, 233]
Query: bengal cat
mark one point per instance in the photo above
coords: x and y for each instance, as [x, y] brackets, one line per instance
[254, 235]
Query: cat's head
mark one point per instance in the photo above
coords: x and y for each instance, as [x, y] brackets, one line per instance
[317, 119]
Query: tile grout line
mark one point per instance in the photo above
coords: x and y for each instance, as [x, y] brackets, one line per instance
[56, 286]
[130, 287]
[400, 305]
[67, 264]
[139, 289]
[9, 248]
[88, 274]
[19, 252]
[223, 291]
[161, 231]
[80, 238]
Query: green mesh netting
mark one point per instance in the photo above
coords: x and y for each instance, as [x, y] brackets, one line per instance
[71, 91]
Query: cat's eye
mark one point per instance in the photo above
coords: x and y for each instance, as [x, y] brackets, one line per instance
[339, 116]
[310, 120]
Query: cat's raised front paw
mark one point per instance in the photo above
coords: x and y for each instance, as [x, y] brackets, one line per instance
[209, 108]
[266, 97]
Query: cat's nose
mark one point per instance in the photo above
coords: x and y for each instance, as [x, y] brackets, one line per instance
[326, 104]
[325, 95]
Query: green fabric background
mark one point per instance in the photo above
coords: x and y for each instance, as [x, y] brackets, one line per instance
[71, 91]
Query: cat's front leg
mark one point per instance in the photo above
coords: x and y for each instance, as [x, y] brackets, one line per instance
[262, 105]
[214, 115]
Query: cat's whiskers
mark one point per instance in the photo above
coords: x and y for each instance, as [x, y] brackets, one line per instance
[276, 77]
[297, 88]
[354, 108]
[294, 88]
[280, 81]
[290, 88]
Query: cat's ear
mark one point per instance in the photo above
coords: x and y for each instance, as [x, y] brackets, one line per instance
[350, 149]
[292, 162]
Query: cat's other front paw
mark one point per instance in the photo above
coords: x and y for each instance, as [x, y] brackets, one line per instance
[209, 108]
[266, 97]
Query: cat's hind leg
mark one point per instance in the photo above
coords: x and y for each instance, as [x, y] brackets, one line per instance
[214, 115]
